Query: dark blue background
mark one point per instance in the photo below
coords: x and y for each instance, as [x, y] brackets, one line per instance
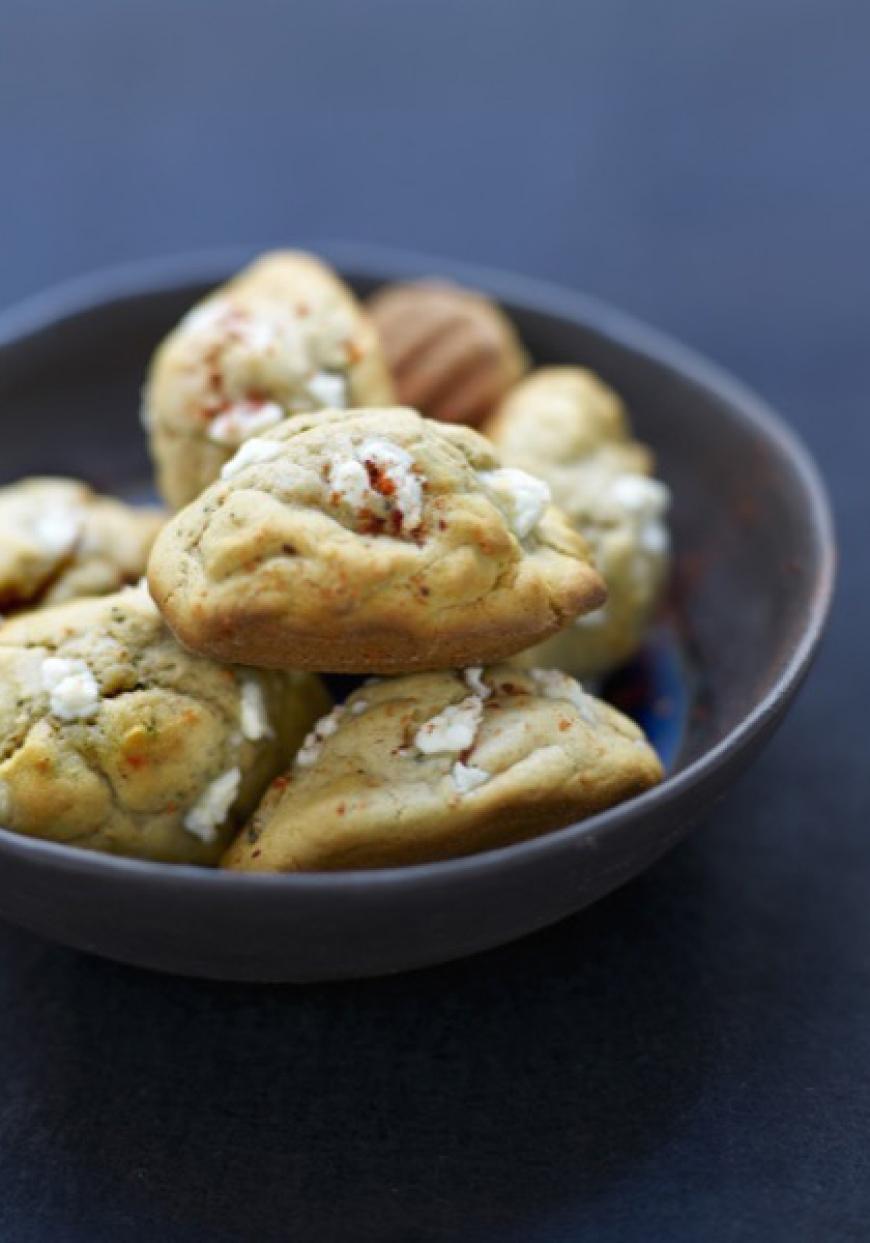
[690, 1060]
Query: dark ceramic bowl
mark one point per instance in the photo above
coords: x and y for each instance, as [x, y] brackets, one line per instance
[751, 588]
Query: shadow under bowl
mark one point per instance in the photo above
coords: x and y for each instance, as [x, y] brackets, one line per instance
[751, 589]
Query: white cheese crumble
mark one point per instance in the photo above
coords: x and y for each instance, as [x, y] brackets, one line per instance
[521, 497]
[467, 777]
[253, 717]
[309, 752]
[359, 707]
[212, 806]
[259, 334]
[74, 694]
[56, 530]
[397, 465]
[349, 482]
[593, 621]
[646, 502]
[453, 729]
[251, 452]
[396, 488]
[553, 684]
[201, 319]
[328, 389]
[243, 420]
[474, 681]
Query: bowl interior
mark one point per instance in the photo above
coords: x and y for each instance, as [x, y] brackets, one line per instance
[749, 595]
[746, 545]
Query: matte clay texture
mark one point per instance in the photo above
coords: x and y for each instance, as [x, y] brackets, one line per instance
[369, 542]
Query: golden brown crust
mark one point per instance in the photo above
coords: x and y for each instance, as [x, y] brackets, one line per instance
[284, 335]
[392, 778]
[113, 738]
[453, 354]
[60, 540]
[569, 427]
[307, 559]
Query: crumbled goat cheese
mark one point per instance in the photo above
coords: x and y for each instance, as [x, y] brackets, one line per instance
[201, 319]
[243, 420]
[467, 777]
[56, 530]
[142, 593]
[553, 684]
[398, 466]
[212, 806]
[349, 482]
[251, 452]
[593, 621]
[645, 503]
[74, 694]
[453, 729]
[641, 494]
[309, 752]
[395, 485]
[259, 334]
[521, 497]
[329, 390]
[359, 707]
[655, 539]
[253, 717]
[475, 683]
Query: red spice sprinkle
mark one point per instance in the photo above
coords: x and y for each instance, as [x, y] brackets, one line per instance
[280, 782]
[563, 725]
[370, 524]
[340, 809]
[136, 760]
[379, 480]
[170, 808]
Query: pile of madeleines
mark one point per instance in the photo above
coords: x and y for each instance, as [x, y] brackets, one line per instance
[387, 491]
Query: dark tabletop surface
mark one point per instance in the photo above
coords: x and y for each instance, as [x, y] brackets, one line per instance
[690, 1060]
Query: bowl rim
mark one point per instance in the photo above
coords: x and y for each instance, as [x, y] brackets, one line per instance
[95, 290]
